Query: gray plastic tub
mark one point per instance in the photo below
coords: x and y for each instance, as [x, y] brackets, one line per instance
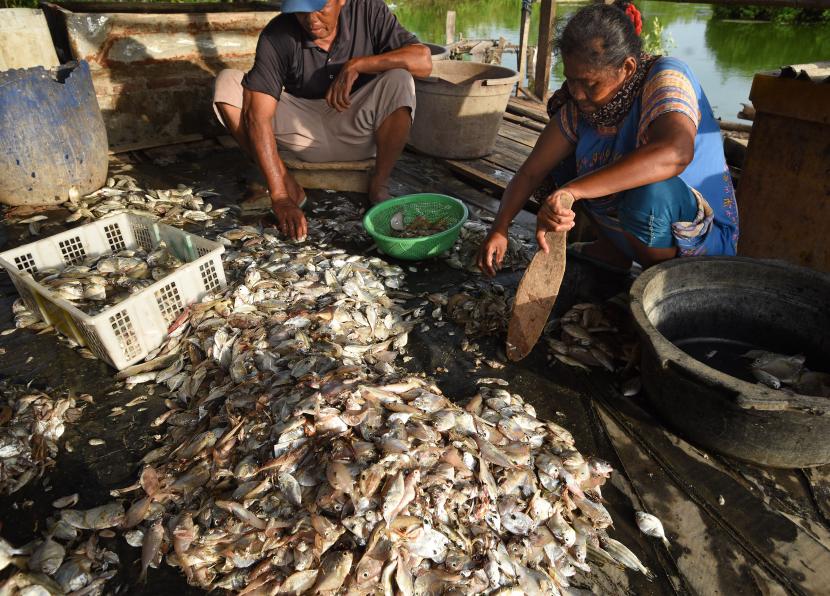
[460, 107]
[438, 52]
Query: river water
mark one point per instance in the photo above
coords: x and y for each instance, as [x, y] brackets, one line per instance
[723, 54]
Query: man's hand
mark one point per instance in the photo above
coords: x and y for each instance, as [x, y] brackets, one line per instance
[554, 216]
[285, 202]
[338, 94]
[492, 251]
[292, 222]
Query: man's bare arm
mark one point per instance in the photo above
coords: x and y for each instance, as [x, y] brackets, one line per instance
[416, 58]
[258, 110]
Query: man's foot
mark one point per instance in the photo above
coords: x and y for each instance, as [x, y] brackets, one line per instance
[378, 192]
[255, 198]
[379, 197]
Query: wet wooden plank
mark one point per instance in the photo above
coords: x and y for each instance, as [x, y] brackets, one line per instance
[534, 110]
[482, 173]
[519, 151]
[153, 143]
[704, 557]
[787, 491]
[790, 553]
[505, 159]
[819, 479]
[525, 122]
[518, 133]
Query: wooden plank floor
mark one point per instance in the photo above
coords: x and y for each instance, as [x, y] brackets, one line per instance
[517, 136]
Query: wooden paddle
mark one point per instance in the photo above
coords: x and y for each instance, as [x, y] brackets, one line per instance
[537, 293]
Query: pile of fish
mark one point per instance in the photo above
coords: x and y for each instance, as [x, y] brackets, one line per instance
[101, 282]
[418, 227]
[25, 318]
[31, 423]
[338, 218]
[464, 252]
[298, 458]
[587, 338]
[122, 194]
[68, 559]
[787, 373]
[483, 309]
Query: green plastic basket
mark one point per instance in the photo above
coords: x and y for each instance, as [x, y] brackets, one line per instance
[428, 205]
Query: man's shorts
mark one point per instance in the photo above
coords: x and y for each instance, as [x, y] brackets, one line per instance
[316, 132]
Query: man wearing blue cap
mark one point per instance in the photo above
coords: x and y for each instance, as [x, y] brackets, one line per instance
[332, 81]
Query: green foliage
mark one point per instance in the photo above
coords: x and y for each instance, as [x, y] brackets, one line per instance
[656, 40]
[778, 15]
[475, 19]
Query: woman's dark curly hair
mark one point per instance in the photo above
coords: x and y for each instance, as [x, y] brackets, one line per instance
[601, 35]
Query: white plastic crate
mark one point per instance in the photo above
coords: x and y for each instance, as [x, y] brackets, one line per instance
[125, 333]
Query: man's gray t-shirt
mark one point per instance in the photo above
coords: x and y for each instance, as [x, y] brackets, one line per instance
[287, 57]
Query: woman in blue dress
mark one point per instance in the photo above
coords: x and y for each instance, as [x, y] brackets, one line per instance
[650, 169]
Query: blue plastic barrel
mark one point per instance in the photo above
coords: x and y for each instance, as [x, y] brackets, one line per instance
[52, 136]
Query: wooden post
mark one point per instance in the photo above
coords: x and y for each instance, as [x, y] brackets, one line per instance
[450, 26]
[524, 35]
[531, 66]
[544, 56]
[479, 51]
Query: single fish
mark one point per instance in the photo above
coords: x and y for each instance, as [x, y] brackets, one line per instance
[8, 553]
[47, 557]
[623, 555]
[150, 547]
[290, 488]
[393, 495]
[333, 570]
[651, 526]
[766, 378]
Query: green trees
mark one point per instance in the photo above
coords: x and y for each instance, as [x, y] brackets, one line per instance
[779, 15]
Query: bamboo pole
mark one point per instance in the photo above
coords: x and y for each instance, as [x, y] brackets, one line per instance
[544, 57]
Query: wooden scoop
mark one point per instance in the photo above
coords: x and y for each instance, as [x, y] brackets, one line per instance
[537, 293]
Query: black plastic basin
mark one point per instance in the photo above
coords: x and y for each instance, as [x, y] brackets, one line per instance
[727, 305]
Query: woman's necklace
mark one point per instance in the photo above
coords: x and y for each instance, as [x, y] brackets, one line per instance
[612, 113]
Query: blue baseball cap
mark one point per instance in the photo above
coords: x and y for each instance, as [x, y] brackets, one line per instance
[302, 5]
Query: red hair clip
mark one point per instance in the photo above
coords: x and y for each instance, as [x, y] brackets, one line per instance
[635, 17]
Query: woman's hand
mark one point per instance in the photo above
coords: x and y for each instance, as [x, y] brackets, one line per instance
[555, 215]
[492, 251]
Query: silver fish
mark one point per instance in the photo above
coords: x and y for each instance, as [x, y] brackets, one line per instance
[150, 547]
[651, 526]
